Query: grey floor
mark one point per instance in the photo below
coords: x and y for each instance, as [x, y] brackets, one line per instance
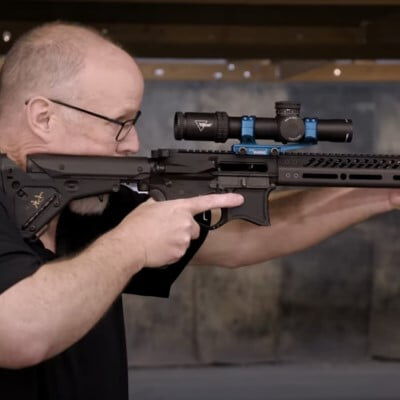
[366, 381]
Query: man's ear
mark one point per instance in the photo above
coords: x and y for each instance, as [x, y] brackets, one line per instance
[40, 117]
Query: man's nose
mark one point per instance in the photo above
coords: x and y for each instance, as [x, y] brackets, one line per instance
[130, 144]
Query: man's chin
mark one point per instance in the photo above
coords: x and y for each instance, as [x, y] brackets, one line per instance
[94, 205]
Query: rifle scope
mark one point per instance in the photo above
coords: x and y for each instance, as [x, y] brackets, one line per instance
[286, 127]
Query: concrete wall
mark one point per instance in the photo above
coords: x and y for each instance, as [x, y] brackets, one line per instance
[339, 300]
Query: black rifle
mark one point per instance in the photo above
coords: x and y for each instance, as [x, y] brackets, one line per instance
[52, 181]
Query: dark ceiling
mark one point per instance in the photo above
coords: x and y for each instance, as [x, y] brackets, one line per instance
[230, 30]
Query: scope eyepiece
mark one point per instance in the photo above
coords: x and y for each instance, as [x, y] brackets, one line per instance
[212, 127]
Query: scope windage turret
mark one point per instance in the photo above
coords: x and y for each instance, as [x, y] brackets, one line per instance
[285, 127]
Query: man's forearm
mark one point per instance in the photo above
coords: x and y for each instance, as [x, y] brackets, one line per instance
[322, 213]
[47, 312]
[299, 219]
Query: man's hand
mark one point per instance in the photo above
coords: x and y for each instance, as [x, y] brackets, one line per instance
[162, 231]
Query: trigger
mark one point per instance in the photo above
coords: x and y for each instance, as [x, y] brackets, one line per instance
[204, 219]
[157, 195]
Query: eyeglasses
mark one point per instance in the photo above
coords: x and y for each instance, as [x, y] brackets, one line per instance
[125, 126]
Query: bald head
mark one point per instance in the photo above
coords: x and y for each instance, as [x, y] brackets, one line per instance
[47, 61]
[58, 65]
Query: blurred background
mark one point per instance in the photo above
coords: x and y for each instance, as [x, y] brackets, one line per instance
[320, 324]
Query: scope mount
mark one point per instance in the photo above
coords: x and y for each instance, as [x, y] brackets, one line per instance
[249, 146]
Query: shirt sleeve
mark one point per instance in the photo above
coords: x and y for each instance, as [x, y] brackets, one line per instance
[75, 232]
[17, 259]
[158, 281]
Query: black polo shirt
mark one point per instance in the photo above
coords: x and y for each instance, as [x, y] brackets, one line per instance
[96, 366]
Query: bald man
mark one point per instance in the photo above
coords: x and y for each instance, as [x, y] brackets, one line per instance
[65, 89]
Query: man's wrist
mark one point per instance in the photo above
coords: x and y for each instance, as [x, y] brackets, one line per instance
[129, 255]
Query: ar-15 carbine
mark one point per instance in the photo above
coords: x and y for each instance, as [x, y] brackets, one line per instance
[52, 181]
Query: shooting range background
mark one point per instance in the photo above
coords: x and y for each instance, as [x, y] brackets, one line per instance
[338, 301]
